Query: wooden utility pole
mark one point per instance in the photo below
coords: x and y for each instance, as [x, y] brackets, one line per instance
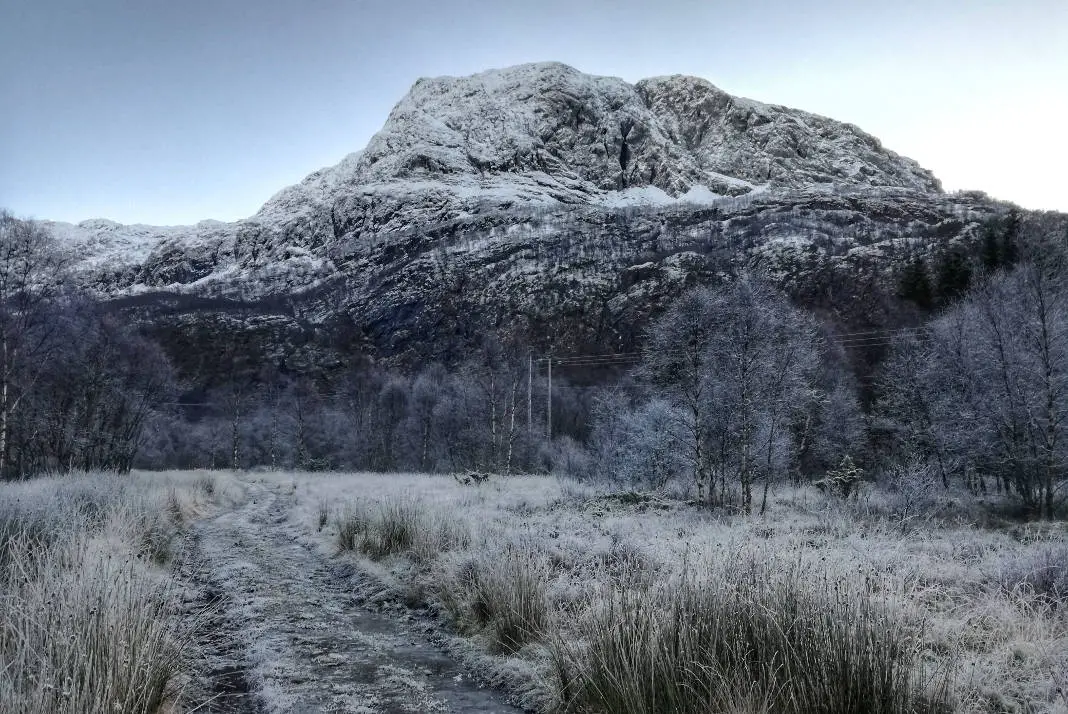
[530, 392]
[549, 403]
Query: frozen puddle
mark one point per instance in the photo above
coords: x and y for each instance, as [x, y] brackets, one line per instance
[287, 635]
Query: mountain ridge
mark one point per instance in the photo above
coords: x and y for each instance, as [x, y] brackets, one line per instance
[501, 136]
[533, 196]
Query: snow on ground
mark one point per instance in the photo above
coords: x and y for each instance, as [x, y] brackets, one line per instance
[638, 196]
[100, 243]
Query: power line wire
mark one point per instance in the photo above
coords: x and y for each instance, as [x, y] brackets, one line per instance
[863, 337]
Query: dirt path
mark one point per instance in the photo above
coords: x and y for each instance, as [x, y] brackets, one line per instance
[287, 636]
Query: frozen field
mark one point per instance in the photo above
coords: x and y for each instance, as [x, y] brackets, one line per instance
[413, 593]
[984, 608]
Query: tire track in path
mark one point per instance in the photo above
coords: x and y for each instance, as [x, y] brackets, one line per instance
[289, 631]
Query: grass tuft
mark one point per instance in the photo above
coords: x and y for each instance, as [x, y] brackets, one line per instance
[158, 536]
[757, 639]
[206, 484]
[350, 528]
[1042, 575]
[323, 515]
[394, 529]
[504, 596]
[400, 527]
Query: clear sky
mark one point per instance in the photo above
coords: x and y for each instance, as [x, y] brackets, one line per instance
[171, 111]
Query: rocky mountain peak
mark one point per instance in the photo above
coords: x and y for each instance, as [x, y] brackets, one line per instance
[672, 133]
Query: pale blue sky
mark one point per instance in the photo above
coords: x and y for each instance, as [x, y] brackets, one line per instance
[174, 111]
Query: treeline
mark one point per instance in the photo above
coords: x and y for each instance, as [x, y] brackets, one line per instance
[482, 414]
[940, 281]
[737, 389]
[981, 394]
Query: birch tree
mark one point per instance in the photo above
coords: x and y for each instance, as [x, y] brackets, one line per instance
[984, 392]
[738, 362]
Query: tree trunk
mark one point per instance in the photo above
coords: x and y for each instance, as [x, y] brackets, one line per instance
[745, 472]
[511, 429]
[1046, 488]
[495, 451]
[234, 463]
[701, 472]
[426, 445]
[273, 448]
[235, 442]
[3, 427]
[5, 378]
[302, 452]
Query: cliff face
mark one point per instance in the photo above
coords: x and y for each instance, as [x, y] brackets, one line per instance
[535, 196]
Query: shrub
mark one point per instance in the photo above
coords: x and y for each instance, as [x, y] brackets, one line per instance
[503, 595]
[757, 639]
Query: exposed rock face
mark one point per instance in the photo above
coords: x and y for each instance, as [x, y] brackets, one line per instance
[766, 143]
[669, 132]
[534, 196]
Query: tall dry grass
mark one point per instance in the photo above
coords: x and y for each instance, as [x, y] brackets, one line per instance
[500, 595]
[89, 620]
[978, 608]
[761, 636]
[747, 633]
[399, 526]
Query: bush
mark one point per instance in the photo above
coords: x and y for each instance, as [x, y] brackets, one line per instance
[758, 639]
[504, 596]
[400, 527]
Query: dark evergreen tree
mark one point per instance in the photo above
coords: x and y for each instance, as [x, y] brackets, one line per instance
[1010, 249]
[915, 285]
[990, 252]
[954, 276]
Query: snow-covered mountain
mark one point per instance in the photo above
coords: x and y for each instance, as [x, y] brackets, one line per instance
[533, 192]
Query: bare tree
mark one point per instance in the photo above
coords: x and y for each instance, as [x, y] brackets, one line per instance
[736, 361]
[90, 400]
[676, 360]
[637, 445]
[986, 389]
[32, 275]
[427, 391]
